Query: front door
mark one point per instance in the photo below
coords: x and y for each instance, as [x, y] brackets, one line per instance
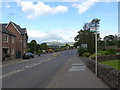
[5, 53]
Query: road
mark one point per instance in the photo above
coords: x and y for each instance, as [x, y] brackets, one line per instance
[35, 73]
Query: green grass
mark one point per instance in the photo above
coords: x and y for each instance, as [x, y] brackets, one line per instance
[112, 63]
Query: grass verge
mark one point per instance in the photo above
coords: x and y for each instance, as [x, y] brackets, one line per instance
[113, 63]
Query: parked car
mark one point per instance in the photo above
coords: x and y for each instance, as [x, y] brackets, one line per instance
[28, 55]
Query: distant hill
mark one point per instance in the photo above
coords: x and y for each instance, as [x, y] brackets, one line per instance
[59, 43]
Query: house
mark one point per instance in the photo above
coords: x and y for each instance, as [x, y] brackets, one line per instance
[16, 38]
[8, 43]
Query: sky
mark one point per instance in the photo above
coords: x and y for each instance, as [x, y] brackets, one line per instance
[53, 21]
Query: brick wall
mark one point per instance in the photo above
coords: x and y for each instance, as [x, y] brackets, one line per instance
[18, 39]
[9, 45]
[18, 36]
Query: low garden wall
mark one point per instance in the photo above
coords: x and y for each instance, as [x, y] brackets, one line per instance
[106, 73]
[108, 57]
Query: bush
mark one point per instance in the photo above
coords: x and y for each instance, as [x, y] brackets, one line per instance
[93, 55]
[38, 52]
[86, 54]
[7, 55]
[29, 50]
[80, 51]
[103, 53]
[112, 51]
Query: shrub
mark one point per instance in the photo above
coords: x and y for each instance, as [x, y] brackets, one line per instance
[112, 51]
[93, 55]
[103, 53]
[80, 51]
[29, 50]
[39, 51]
[86, 54]
[7, 55]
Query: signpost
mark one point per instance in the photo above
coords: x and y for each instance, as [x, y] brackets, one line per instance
[84, 46]
[94, 29]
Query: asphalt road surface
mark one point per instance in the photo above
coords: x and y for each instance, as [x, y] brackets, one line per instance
[34, 73]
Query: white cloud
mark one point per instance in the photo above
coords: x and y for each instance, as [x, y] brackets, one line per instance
[63, 35]
[0, 4]
[87, 4]
[39, 9]
[4, 4]
[84, 6]
[59, 0]
[53, 35]
[7, 5]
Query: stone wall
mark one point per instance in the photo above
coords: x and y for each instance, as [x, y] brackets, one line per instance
[108, 57]
[106, 73]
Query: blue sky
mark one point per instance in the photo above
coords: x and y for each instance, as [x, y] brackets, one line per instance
[52, 21]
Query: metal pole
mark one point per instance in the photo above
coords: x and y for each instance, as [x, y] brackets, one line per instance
[96, 52]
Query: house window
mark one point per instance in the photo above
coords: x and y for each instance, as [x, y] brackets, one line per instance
[13, 40]
[13, 52]
[6, 39]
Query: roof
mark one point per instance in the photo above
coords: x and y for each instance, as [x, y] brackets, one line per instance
[4, 30]
[21, 30]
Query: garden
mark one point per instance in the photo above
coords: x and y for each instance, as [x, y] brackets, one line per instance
[109, 57]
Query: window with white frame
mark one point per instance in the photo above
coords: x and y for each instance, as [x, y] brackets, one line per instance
[5, 39]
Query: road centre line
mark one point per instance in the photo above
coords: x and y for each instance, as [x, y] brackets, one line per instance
[28, 66]
[19, 70]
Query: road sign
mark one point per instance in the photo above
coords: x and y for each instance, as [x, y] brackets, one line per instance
[92, 29]
[84, 45]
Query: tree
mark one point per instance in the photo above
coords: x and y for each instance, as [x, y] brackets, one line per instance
[44, 46]
[118, 43]
[111, 40]
[32, 46]
[86, 37]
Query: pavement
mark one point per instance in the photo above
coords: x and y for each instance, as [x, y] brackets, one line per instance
[75, 74]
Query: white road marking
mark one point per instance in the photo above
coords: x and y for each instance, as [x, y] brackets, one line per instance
[10, 73]
[19, 70]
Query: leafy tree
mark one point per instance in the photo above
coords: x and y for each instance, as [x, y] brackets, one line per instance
[44, 46]
[32, 46]
[86, 37]
[118, 43]
[111, 40]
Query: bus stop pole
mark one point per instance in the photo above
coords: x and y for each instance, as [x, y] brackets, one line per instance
[96, 53]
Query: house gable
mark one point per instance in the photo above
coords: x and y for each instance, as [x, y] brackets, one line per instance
[13, 26]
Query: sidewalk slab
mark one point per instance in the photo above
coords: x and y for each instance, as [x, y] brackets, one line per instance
[80, 77]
